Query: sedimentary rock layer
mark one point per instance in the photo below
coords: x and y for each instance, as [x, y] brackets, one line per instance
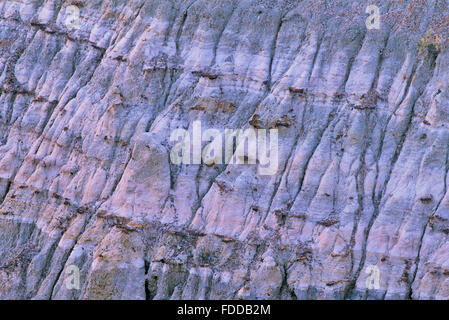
[86, 178]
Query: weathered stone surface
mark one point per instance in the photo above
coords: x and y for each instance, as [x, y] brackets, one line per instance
[85, 172]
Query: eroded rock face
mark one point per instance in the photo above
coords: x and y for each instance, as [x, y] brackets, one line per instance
[86, 179]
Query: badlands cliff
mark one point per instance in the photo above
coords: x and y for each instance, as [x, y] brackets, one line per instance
[88, 104]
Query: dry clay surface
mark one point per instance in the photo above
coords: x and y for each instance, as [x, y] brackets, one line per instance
[86, 179]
